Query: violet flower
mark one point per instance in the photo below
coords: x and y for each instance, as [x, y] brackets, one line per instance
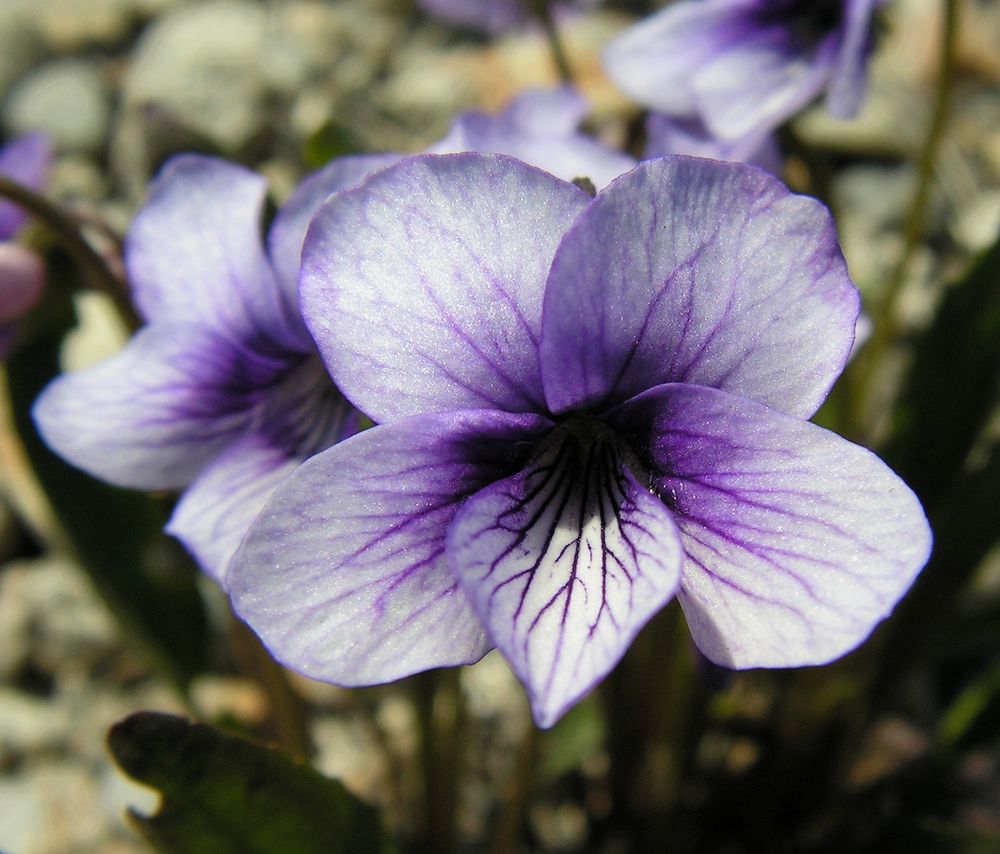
[26, 160]
[495, 16]
[670, 135]
[221, 393]
[744, 66]
[539, 127]
[585, 408]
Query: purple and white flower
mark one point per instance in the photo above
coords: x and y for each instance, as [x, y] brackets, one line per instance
[669, 135]
[221, 393]
[585, 407]
[26, 160]
[540, 127]
[495, 16]
[741, 67]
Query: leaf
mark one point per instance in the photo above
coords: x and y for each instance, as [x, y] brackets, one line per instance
[953, 385]
[116, 534]
[222, 793]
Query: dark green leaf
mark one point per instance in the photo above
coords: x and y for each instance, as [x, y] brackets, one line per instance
[953, 385]
[222, 793]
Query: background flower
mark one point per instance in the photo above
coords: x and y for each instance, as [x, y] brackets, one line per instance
[22, 275]
[495, 16]
[221, 393]
[742, 67]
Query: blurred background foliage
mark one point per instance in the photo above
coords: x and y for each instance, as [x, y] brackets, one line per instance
[895, 748]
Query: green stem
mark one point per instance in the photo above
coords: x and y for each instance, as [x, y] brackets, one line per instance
[67, 232]
[440, 713]
[288, 712]
[542, 10]
[512, 820]
[886, 328]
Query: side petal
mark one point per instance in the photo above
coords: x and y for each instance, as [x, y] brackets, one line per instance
[194, 254]
[690, 270]
[798, 543]
[290, 225]
[155, 414]
[654, 61]
[25, 160]
[765, 78]
[848, 84]
[423, 286]
[343, 574]
[302, 415]
[564, 563]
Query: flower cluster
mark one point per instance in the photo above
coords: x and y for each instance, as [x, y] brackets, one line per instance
[584, 407]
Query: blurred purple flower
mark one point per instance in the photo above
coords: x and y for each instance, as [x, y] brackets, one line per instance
[222, 392]
[670, 135]
[495, 16]
[26, 160]
[539, 127]
[742, 67]
[586, 407]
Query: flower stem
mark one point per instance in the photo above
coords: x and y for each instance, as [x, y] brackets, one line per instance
[441, 716]
[886, 328]
[542, 10]
[288, 712]
[67, 231]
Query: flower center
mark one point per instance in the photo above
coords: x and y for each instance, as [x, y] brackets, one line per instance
[585, 437]
[808, 21]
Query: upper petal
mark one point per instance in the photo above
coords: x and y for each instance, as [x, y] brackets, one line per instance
[194, 254]
[290, 225]
[301, 414]
[797, 542]
[155, 414]
[564, 563]
[423, 286]
[343, 574]
[697, 271]
[25, 160]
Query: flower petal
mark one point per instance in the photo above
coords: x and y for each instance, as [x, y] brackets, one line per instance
[343, 574]
[703, 272]
[797, 542]
[763, 80]
[25, 160]
[848, 84]
[540, 128]
[152, 416]
[564, 563]
[653, 61]
[290, 225]
[302, 415]
[194, 254]
[423, 286]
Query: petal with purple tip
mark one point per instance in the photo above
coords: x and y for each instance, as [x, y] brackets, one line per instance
[565, 562]
[343, 574]
[798, 543]
[423, 287]
[155, 414]
[194, 254]
[690, 270]
[302, 414]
